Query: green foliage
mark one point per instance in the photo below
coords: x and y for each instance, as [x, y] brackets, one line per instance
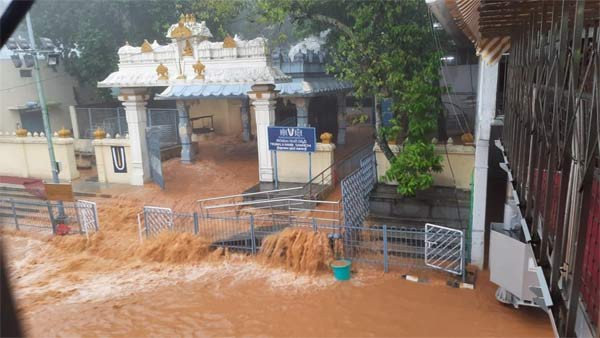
[360, 119]
[392, 132]
[385, 49]
[412, 167]
[98, 28]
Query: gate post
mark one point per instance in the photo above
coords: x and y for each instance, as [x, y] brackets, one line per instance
[252, 235]
[51, 216]
[14, 212]
[145, 222]
[385, 249]
[196, 225]
[78, 207]
[96, 221]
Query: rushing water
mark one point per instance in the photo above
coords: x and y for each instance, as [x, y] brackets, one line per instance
[239, 297]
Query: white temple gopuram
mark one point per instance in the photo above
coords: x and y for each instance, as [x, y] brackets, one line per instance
[196, 72]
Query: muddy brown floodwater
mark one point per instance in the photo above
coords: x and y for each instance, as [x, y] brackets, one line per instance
[113, 285]
[232, 295]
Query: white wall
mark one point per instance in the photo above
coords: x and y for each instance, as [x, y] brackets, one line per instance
[104, 161]
[226, 114]
[461, 158]
[292, 166]
[16, 91]
[28, 157]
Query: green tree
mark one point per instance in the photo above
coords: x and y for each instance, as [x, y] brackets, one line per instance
[385, 49]
[98, 28]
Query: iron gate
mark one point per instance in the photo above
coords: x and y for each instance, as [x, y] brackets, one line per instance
[88, 216]
[166, 122]
[153, 141]
[156, 220]
[444, 248]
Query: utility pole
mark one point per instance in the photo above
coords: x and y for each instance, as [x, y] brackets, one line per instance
[44, 108]
[42, 99]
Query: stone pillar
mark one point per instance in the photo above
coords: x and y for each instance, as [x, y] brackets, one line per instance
[341, 118]
[74, 123]
[486, 110]
[134, 101]
[185, 133]
[263, 99]
[245, 111]
[301, 111]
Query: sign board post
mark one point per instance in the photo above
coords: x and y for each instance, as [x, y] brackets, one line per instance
[300, 139]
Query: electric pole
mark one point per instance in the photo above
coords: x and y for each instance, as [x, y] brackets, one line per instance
[42, 99]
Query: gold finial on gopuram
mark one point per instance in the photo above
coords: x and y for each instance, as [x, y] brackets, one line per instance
[163, 72]
[229, 42]
[146, 47]
[199, 70]
[181, 31]
[187, 50]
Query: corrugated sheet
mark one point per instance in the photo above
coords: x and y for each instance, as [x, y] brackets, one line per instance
[466, 17]
[298, 87]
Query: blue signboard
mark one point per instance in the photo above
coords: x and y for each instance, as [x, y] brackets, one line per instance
[386, 112]
[292, 139]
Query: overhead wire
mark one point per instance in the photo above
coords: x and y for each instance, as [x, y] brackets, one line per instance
[442, 65]
[444, 78]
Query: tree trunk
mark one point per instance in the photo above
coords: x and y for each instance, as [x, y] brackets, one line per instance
[379, 137]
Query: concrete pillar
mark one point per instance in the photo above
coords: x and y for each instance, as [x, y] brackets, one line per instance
[263, 99]
[185, 133]
[245, 111]
[341, 118]
[74, 124]
[134, 101]
[486, 110]
[301, 111]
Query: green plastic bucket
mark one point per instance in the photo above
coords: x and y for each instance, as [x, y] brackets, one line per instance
[341, 269]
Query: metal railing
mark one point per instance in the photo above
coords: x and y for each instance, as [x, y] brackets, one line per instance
[327, 180]
[49, 216]
[202, 124]
[295, 192]
[383, 246]
[292, 210]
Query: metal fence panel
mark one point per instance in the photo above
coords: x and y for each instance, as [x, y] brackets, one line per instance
[356, 188]
[157, 219]
[112, 120]
[88, 216]
[383, 246]
[49, 216]
[165, 120]
[444, 248]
